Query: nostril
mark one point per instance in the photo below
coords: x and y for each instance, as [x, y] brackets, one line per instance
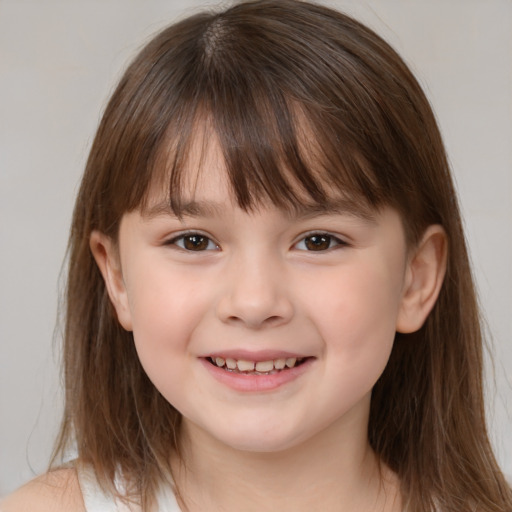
[272, 320]
[255, 308]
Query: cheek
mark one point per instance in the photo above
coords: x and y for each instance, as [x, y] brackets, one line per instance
[163, 299]
[165, 310]
[362, 332]
[359, 314]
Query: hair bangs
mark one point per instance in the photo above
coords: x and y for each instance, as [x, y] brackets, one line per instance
[275, 151]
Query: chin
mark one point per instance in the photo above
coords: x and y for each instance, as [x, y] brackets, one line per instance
[260, 445]
[258, 439]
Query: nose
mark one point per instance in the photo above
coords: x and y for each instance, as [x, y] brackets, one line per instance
[255, 294]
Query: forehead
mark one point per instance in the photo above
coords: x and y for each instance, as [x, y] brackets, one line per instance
[282, 154]
[207, 188]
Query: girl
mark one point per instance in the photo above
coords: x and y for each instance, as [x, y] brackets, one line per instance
[269, 303]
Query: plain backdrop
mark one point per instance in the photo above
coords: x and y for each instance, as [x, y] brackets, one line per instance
[59, 60]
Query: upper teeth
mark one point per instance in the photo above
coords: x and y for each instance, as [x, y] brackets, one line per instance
[243, 365]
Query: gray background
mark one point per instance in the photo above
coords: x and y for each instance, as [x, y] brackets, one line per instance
[58, 62]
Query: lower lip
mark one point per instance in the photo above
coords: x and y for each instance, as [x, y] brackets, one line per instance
[256, 383]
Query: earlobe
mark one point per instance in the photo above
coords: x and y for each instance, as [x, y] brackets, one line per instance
[424, 277]
[107, 258]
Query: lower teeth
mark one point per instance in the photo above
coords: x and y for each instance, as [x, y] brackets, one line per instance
[254, 372]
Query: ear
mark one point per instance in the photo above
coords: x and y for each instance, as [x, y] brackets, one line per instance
[106, 254]
[423, 280]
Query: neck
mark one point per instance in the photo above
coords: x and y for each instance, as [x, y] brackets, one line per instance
[336, 470]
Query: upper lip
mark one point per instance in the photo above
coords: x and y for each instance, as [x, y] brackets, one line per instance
[256, 356]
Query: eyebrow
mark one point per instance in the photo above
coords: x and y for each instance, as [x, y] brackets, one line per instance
[339, 206]
[186, 209]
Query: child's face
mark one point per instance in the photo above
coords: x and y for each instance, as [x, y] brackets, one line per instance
[323, 288]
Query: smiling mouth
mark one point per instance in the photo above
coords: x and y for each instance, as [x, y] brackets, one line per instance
[269, 367]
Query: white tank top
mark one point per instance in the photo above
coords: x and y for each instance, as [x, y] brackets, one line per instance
[96, 500]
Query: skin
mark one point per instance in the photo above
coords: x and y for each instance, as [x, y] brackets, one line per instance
[256, 291]
[253, 285]
[258, 285]
[56, 491]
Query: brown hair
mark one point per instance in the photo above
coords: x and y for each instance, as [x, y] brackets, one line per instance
[258, 72]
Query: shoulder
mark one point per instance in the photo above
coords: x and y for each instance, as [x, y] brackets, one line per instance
[55, 491]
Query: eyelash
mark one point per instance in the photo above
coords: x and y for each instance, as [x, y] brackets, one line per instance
[191, 235]
[332, 241]
[203, 243]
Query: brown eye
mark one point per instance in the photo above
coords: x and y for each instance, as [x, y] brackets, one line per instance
[194, 242]
[318, 242]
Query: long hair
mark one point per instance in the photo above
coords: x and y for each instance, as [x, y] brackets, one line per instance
[301, 97]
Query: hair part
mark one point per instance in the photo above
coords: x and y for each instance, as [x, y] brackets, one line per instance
[335, 109]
